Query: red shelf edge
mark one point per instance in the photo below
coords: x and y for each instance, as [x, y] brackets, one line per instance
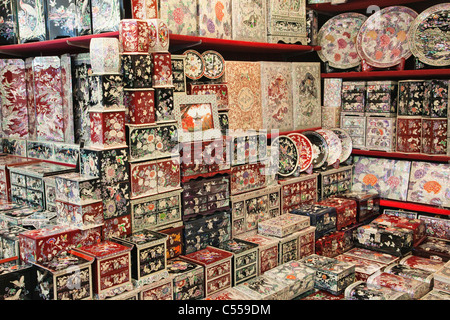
[388, 74]
[414, 207]
[400, 155]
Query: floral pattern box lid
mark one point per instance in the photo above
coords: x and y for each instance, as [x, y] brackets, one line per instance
[263, 288]
[104, 249]
[208, 256]
[237, 246]
[372, 255]
[41, 169]
[65, 261]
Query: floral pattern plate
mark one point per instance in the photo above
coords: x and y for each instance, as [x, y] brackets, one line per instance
[337, 37]
[194, 65]
[347, 143]
[288, 155]
[383, 38]
[428, 36]
[334, 145]
[320, 148]
[214, 64]
[305, 150]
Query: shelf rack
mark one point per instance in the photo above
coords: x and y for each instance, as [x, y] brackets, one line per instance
[410, 206]
[358, 5]
[402, 155]
[391, 74]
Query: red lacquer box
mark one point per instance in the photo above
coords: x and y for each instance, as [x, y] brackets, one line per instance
[117, 227]
[80, 215]
[107, 129]
[434, 136]
[247, 177]
[140, 105]
[346, 211]
[416, 225]
[298, 191]
[409, 134]
[162, 69]
[220, 90]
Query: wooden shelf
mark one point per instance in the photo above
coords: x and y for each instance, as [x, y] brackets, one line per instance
[392, 74]
[401, 155]
[358, 5]
[178, 44]
[410, 206]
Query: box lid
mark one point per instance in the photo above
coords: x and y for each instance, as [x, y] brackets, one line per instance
[208, 256]
[228, 294]
[144, 237]
[443, 275]
[178, 266]
[422, 263]
[263, 288]
[289, 181]
[48, 232]
[237, 246]
[104, 249]
[262, 241]
[313, 210]
[292, 271]
[361, 196]
[408, 272]
[41, 169]
[362, 265]
[13, 264]
[66, 260]
[10, 160]
[75, 176]
[371, 255]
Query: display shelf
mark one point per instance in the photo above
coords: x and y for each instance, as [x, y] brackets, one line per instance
[355, 5]
[410, 206]
[391, 74]
[178, 43]
[401, 155]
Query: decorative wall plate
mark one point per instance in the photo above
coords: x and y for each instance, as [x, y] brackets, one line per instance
[320, 148]
[337, 37]
[195, 65]
[288, 155]
[334, 145]
[305, 150]
[428, 36]
[383, 38]
[214, 64]
[346, 141]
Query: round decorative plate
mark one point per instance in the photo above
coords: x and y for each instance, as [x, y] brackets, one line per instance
[346, 141]
[214, 64]
[305, 150]
[288, 155]
[194, 65]
[383, 38]
[428, 35]
[334, 145]
[320, 148]
[337, 37]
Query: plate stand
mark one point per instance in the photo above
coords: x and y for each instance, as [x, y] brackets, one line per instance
[368, 68]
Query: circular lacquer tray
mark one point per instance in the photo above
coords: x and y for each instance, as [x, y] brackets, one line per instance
[334, 145]
[428, 35]
[337, 37]
[214, 64]
[288, 155]
[346, 141]
[194, 67]
[320, 148]
[383, 38]
[305, 150]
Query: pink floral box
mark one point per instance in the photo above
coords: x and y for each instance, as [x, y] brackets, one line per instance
[247, 177]
[107, 129]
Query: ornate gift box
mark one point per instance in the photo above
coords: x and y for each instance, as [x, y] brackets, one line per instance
[205, 196]
[116, 199]
[16, 279]
[267, 250]
[107, 93]
[392, 240]
[381, 98]
[288, 247]
[152, 177]
[155, 211]
[252, 207]
[41, 245]
[360, 290]
[188, 279]
[300, 278]
[148, 256]
[107, 129]
[433, 248]
[228, 294]
[137, 71]
[247, 177]
[77, 189]
[286, 21]
[283, 225]
[306, 242]
[416, 225]
[181, 16]
[372, 255]
[9, 241]
[67, 276]
[8, 26]
[110, 166]
[119, 226]
[159, 290]
[243, 80]
[81, 66]
[353, 98]
[162, 69]
[422, 263]
[355, 126]
[411, 273]
[106, 15]
[346, 210]
[298, 191]
[330, 245]
[61, 19]
[175, 240]
[178, 72]
[31, 21]
[429, 183]
[263, 288]
[276, 94]
[214, 19]
[220, 90]
[50, 193]
[333, 182]
[332, 275]
[247, 146]
[148, 142]
[79, 215]
[7, 162]
[442, 279]
[409, 134]
[412, 97]
[435, 136]
[244, 261]
[111, 268]
[13, 94]
[381, 133]
[363, 268]
[332, 92]
[207, 230]
[249, 20]
[216, 264]
[164, 107]
[437, 106]
[134, 36]
[388, 177]
[436, 227]
[140, 106]
[321, 217]
[414, 288]
[368, 204]
[14, 216]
